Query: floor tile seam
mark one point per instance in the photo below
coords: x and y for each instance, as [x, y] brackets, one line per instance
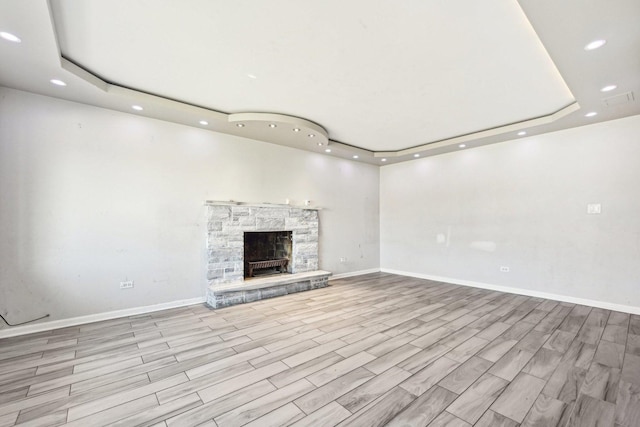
[154, 393]
[129, 374]
[34, 396]
[104, 410]
[90, 370]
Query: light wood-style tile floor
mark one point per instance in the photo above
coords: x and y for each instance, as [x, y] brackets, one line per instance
[371, 350]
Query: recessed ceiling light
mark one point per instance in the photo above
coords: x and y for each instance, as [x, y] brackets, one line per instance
[296, 129]
[522, 133]
[320, 144]
[10, 37]
[273, 125]
[383, 160]
[137, 107]
[251, 76]
[311, 135]
[416, 155]
[591, 114]
[204, 122]
[240, 125]
[595, 44]
[608, 88]
[355, 156]
[58, 82]
[328, 150]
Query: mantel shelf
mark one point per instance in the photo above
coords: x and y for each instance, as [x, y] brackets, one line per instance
[259, 205]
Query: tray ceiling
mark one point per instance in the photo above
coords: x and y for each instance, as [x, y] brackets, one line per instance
[374, 80]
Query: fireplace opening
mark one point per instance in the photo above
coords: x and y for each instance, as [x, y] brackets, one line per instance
[267, 253]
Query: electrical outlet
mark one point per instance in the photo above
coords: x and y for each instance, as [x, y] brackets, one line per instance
[343, 259]
[504, 269]
[126, 285]
[594, 208]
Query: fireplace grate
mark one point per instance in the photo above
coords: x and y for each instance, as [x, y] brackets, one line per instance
[281, 264]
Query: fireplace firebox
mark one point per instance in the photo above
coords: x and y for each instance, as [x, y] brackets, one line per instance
[267, 252]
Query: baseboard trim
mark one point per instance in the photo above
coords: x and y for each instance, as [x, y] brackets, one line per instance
[354, 273]
[527, 292]
[81, 320]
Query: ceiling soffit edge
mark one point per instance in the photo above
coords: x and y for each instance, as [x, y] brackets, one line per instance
[302, 123]
[512, 127]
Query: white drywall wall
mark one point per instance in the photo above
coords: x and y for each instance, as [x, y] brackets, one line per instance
[91, 197]
[523, 205]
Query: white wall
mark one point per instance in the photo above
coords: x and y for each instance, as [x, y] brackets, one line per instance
[91, 197]
[523, 204]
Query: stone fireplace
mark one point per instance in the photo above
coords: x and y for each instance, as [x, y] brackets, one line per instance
[239, 234]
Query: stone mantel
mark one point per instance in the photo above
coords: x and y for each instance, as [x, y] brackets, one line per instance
[259, 205]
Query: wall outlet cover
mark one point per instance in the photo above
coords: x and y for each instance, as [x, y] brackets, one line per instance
[594, 208]
[126, 285]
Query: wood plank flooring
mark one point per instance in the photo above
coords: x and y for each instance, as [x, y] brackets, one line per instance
[371, 350]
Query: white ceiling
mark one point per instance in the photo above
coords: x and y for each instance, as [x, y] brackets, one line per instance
[373, 79]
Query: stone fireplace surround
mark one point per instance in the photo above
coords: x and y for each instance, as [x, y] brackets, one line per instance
[226, 224]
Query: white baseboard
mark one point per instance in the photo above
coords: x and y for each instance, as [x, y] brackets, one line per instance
[80, 320]
[519, 291]
[354, 273]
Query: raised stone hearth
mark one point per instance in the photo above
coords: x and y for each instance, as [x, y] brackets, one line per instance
[267, 287]
[227, 223]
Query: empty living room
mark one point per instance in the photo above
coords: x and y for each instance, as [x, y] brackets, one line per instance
[284, 213]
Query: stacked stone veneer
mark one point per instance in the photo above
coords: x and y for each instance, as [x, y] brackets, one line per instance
[227, 223]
